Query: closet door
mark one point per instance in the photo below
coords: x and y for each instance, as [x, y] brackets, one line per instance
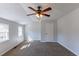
[47, 32]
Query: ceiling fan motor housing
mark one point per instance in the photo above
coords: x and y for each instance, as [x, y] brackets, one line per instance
[39, 10]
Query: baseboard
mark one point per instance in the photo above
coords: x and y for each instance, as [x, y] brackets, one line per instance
[47, 41]
[68, 48]
[10, 48]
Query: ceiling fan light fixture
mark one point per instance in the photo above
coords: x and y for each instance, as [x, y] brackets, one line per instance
[39, 15]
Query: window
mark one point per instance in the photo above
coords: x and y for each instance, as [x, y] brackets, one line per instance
[4, 32]
[20, 34]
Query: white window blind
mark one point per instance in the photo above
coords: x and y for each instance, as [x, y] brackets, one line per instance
[4, 32]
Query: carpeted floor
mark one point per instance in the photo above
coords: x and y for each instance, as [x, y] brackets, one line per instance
[37, 48]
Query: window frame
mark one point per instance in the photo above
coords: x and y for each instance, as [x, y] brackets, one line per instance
[4, 33]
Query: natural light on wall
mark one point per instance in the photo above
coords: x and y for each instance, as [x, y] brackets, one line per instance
[20, 32]
[4, 32]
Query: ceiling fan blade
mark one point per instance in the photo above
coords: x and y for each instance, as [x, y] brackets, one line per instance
[46, 15]
[47, 9]
[32, 9]
[31, 14]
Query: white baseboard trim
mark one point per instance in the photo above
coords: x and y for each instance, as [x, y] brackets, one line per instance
[67, 48]
[47, 41]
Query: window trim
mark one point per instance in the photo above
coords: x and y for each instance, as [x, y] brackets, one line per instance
[5, 25]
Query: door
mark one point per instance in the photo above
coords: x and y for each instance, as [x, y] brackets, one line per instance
[47, 32]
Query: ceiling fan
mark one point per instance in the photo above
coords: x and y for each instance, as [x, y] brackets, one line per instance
[39, 12]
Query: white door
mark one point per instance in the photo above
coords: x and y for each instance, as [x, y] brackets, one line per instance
[47, 34]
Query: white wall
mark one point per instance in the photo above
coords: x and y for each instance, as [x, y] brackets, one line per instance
[33, 31]
[13, 36]
[68, 31]
[38, 31]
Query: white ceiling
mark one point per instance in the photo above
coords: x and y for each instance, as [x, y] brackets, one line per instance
[17, 12]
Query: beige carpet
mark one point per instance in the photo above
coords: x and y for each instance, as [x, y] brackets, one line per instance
[37, 48]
